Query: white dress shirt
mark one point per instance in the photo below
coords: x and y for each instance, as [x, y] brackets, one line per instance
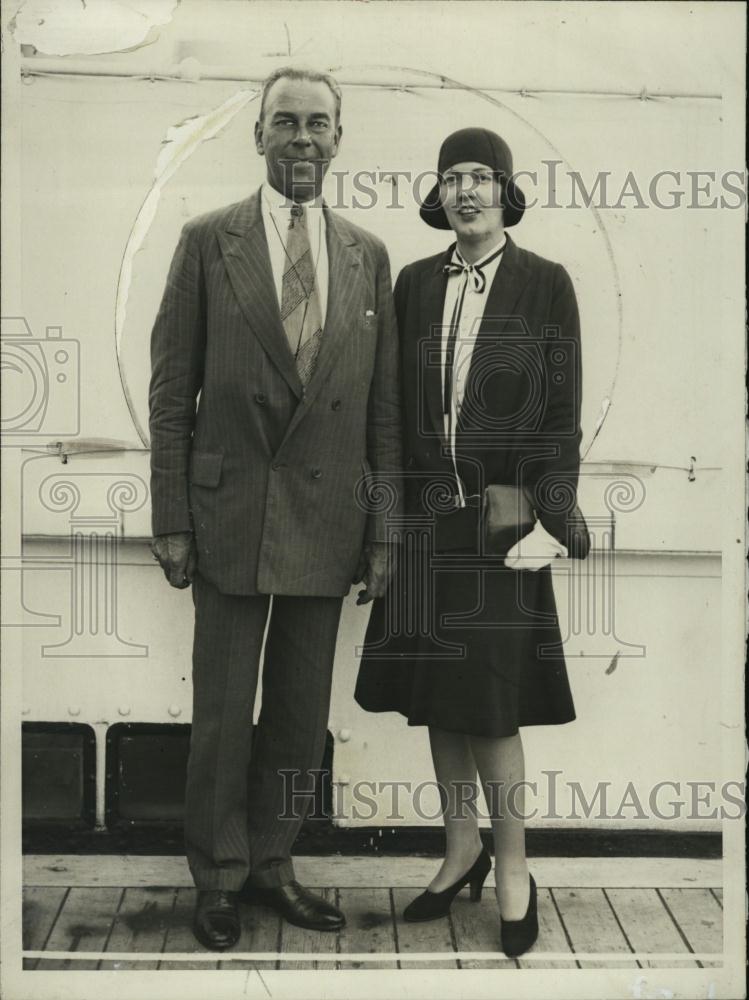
[276, 213]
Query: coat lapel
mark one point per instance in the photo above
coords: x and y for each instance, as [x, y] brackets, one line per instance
[432, 309]
[245, 252]
[344, 294]
[511, 278]
[499, 312]
[344, 299]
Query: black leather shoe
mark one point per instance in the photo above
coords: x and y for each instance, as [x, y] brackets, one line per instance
[519, 935]
[297, 905]
[216, 923]
[432, 905]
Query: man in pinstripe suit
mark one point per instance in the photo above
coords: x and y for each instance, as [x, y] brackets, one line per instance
[277, 313]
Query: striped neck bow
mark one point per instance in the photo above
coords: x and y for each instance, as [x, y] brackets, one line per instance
[473, 273]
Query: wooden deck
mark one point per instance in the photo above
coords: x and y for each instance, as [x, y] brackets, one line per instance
[136, 913]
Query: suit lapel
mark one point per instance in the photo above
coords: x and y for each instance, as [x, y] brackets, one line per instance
[345, 285]
[344, 295]
[245, 252]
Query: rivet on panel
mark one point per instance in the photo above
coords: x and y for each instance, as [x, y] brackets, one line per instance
[124, 710]
[344, 735]
[74, 710]
[175, 710]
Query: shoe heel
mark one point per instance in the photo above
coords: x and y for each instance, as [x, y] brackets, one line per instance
[476, 887]
[484, 865]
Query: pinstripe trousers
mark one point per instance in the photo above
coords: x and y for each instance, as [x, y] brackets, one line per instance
[245, 801]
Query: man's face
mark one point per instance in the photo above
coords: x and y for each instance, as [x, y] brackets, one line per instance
[298, 136]
[471, 196]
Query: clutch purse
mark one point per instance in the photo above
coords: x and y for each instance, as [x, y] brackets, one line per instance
[508, 514]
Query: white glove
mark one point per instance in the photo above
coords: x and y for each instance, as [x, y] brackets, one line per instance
[535, 550]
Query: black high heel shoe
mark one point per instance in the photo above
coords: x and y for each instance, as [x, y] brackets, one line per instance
[519, 935]
[431, 905]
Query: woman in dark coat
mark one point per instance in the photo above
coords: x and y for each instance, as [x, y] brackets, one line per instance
[467, 640]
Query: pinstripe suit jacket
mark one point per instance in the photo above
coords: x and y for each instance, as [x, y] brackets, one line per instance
[264, 472]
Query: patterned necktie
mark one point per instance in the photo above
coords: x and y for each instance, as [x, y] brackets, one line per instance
[300, 302]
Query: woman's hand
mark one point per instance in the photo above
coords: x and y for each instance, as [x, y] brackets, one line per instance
[534, 550]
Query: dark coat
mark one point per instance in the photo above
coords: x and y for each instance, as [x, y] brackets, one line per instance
[520, 420]
[461, 642]
[264, 472]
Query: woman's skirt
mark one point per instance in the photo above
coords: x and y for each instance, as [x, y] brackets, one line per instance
[463, 643]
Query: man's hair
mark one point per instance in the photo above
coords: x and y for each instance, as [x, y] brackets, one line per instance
[313, 76]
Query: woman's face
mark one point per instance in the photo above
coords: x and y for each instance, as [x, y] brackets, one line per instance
[471, 195]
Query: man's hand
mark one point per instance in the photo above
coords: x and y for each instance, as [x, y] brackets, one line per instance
[375, 569]
[177, 555]
[534, 550]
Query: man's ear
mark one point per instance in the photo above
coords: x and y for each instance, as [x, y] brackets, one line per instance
[336, 144]
[259, 138]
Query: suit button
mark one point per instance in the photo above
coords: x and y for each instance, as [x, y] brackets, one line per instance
[278, 465]
[316, 473]
[336, 404]
[260, 398]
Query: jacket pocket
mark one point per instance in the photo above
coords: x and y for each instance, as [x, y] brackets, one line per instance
[205, 468]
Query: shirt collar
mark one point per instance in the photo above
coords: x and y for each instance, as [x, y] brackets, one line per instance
[495, 249]
[279, 203]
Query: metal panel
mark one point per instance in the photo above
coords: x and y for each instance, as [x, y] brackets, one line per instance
[146, 767]
[58, 773]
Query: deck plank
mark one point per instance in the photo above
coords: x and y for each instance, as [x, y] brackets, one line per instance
[551, 936]
[698, 914]
[369, 926]
[648, 926]
[179, 935]
[261, 931]
[476, 928]
[140, 925]
[623, 919]
[300, 939]
[388, 872]
[41, 904]
[83, 924]
[431, 936]
[592, 927]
